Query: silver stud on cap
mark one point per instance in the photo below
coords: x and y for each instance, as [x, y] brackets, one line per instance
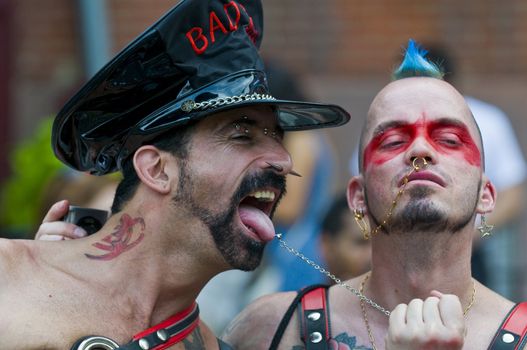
[188, 106]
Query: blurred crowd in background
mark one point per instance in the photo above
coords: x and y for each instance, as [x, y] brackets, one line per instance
[332, 51]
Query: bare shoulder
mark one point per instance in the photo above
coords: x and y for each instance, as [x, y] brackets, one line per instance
[255, 326]
[484, 319]
[200, 338]
[10, 252]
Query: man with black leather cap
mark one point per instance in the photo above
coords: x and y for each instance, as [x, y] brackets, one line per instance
[185, 113]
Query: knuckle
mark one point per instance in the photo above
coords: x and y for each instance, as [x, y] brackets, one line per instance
[457, 328]
[432, 299]
[395, 336]
[401, 308]
[41, 230]
[451, 298]
[416, 301]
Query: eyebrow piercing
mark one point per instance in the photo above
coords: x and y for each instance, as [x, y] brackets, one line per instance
[266, 132]
[246, 130]
[238, 127]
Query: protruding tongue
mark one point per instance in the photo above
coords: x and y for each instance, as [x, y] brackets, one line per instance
[257, 220]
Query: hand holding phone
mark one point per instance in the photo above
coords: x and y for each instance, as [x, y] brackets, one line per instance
[92, 220]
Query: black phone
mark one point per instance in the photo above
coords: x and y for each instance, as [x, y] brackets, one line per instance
[92, 220]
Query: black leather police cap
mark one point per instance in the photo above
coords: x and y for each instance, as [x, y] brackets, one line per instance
[198, 59]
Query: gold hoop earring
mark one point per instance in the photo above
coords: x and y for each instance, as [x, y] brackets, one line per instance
[358, 215]
[484, 228]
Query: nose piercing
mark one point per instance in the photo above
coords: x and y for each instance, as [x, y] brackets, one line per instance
[276, 167]
[292, 172]
[419, 162]
[280, 168]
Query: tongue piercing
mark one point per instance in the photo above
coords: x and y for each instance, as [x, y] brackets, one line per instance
[419, 163]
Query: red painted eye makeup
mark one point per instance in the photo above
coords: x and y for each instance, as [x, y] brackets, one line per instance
[448, 137]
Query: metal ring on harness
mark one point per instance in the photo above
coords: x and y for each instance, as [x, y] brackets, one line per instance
[96, 343]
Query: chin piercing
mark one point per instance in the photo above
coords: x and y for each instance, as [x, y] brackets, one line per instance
[419, 162]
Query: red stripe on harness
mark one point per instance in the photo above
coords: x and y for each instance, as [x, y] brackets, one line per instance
[316, 300]
[177, 318]
[517, 321]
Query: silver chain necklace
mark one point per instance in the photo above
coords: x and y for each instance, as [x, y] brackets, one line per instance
[337, 280]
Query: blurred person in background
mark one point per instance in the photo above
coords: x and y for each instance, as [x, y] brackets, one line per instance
[496, 260]
[346, 253]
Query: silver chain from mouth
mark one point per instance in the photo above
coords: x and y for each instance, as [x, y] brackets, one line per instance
[337, 280]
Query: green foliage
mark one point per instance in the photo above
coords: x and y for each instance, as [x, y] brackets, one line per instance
[33, 164]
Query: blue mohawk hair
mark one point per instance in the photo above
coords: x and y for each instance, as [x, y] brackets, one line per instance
[415, 64]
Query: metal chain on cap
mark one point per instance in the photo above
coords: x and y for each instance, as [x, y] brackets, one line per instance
[190, 105]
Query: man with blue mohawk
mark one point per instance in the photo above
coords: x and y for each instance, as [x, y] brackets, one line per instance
[421, 186]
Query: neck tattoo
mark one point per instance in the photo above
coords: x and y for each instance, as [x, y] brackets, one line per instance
[365, 316]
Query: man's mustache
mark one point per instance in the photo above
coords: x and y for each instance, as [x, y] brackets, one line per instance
[267, 178]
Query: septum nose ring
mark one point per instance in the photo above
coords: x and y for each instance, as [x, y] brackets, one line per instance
[419, 162]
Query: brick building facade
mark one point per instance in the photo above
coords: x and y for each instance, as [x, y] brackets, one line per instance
[342, 50]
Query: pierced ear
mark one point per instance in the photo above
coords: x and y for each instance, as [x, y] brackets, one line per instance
[487, 197]
[149, 164]
[355, 194]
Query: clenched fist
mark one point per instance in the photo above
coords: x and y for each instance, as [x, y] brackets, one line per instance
[435, 323]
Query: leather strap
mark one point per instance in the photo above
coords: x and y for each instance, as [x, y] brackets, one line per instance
[175, 329]
[314, 319]
[280, 330]
[512, 333]
[158, 337]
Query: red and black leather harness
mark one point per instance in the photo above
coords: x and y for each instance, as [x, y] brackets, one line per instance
[312, 304]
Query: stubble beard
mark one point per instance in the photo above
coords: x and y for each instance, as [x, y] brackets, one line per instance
[238, 250]
[421, 215]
